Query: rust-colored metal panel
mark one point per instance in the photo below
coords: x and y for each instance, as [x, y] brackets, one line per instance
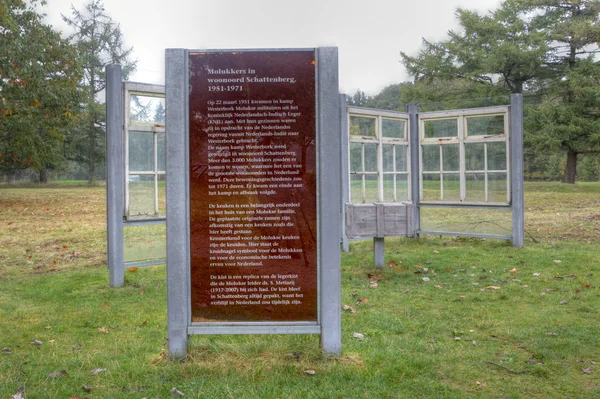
[253, 218]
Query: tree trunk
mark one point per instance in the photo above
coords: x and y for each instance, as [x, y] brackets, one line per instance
[91, 168]
[571, 168]
[43, 176]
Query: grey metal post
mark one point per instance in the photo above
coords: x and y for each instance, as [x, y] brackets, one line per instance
[114, 175]
[329, 189]
[516, 170]
[379, 251]
[178, 308]
[345, 172]
[413, 143]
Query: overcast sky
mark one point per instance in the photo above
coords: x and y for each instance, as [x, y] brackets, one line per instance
[369, 33]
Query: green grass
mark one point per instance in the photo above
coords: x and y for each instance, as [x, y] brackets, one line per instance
[517, 341]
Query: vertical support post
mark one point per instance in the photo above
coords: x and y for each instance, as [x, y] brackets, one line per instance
[516, 170]
[379, 251]
[378, 240]
[413, 144]
[344, 147]
[329, 189]
[114, 175]
[176, 94]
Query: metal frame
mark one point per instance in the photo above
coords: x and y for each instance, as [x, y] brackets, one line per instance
[178, 210]
[117, 101]
[513, 137]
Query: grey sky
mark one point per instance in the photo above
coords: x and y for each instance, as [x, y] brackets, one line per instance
[369, 34]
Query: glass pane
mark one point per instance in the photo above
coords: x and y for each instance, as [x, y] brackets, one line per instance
[472, 220]
[141, 151]
[355, 157]
[431, 188]
[496, 156]
[402, 188]
[474, 156]
[370, 157]
[497, 187]
[147, 109]
[388, 158]
[451, 187]
[363, 126]
[431, 158]
[393, 128]
[485, 125]
[475, 187]
[401, 158]
[388, 187]
[441, 128]
[451, 157]
[356, 189]
[141, 195]
[371, 189]
[144, 242]
[161, 147]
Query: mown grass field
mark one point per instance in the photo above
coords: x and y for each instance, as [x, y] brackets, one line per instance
[448, 318]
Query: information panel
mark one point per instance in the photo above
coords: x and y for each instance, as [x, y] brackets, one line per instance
[253, 218]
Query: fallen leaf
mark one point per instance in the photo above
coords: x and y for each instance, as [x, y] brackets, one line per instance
[362, 300]
[19, 394]
[74, 397]
[438, 286]
[87, 389]
[536, 274]
[142, 292]
[586, 285]
[57, 374]
[426, 279]
[52, 341]
[358, 335]
[36, 342]
[553, 334]
[474, 343]
[457, 338]
[587, 371]
[134, 269]
[97, 371]
[310, 372]
[374, 276]
[563, 302]
[436, 251]
[48, 327]
[462, 297]
[373, 284]
[493, 287]
[103, 330]
[106, 305]
[295, 355]
[558, 261]
[176, 392]
[349, 309]
[77, 347]
[513, 270]
[391, 263]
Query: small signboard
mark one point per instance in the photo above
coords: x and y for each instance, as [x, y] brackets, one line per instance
[253, 194]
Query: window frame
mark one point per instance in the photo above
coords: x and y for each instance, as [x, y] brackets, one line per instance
[379, 141]
[463, 139]
[150, 127]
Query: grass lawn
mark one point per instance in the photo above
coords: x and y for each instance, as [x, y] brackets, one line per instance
[449, 317]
